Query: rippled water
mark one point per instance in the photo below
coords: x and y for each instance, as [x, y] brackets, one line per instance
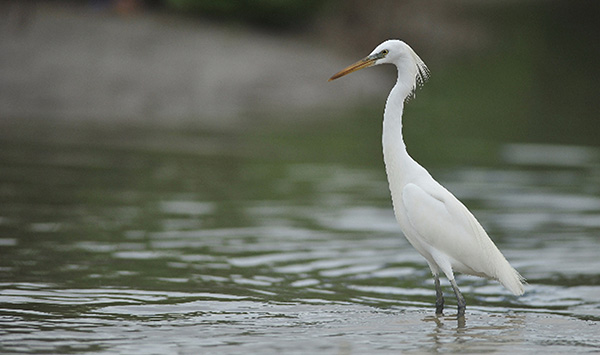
[140, 240]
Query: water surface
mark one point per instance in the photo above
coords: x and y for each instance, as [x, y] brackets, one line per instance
[150, 240]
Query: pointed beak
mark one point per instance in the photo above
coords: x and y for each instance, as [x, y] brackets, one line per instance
[361, 64]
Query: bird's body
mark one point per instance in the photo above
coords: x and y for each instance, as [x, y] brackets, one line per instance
[435, 222]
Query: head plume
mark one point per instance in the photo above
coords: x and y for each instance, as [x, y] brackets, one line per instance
[422, 74]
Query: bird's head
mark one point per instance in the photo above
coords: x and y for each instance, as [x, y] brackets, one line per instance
[411, 69]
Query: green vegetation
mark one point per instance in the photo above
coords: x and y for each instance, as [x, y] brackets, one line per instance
[272, 13]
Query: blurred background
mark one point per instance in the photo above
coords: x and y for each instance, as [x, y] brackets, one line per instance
[520, 70]
[182, 170]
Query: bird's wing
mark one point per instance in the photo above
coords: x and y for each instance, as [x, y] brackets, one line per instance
[445, 224]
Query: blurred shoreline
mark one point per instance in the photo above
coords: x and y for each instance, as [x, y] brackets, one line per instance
[77, 63]
[72, 61]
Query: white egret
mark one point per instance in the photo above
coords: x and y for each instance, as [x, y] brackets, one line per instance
[435, 222]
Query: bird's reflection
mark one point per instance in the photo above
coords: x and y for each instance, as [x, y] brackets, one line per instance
[487, 330]
[440, 319]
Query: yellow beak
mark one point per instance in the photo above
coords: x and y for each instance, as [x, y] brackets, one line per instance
[361, 64]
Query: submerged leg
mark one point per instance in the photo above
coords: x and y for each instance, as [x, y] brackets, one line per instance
[439, 296]
[460, 300]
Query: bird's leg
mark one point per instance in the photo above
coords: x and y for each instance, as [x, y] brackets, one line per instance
[460, 300]
[439, 296]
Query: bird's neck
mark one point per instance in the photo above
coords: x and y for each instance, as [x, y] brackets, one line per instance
[393, 141]
[398, 163]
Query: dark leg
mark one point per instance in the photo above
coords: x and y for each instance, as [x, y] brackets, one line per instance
[459, 299]
[439, 296]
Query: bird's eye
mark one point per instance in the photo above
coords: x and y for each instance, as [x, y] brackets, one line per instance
[385, 52]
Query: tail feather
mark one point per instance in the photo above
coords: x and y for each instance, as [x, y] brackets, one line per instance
[511, 279]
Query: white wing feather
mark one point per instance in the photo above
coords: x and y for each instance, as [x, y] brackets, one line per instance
[446, 225]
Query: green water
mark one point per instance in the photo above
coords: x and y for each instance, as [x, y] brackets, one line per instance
[279, 240]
